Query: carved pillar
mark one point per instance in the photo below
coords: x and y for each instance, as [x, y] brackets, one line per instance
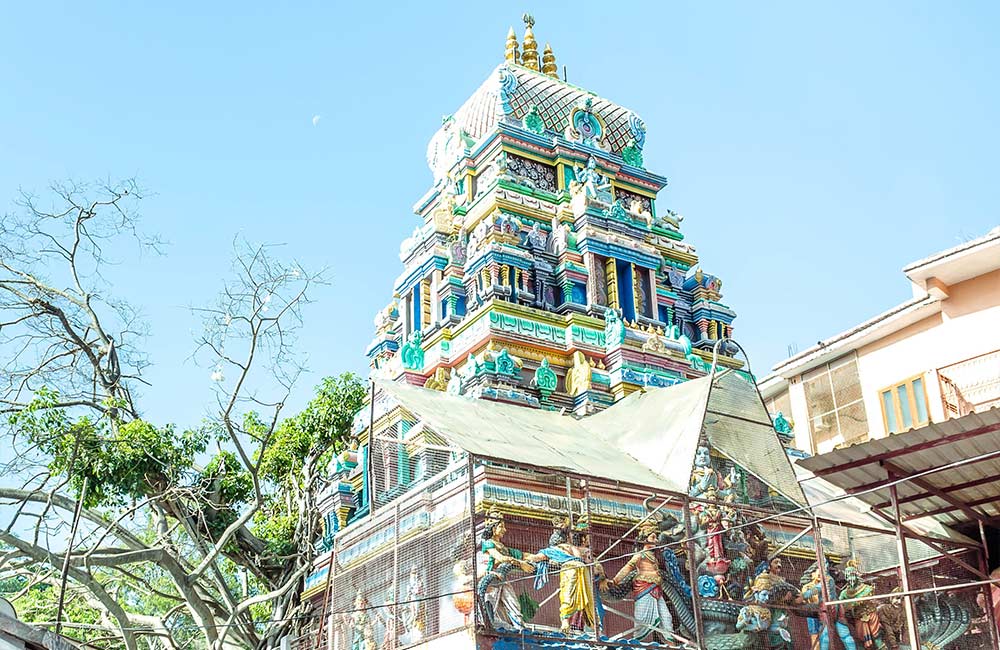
[611, 272]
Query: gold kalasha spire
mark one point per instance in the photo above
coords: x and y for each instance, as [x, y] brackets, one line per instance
[549, 62]
[530, 57]
[512, 55]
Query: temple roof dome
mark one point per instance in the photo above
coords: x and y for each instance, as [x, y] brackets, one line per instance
[554, 99]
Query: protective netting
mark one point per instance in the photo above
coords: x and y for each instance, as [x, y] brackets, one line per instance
[946, 612]
[444, 550]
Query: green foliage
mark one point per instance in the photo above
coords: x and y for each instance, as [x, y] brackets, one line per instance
[135, 461]
[325, 423]
[39, 604]
[277, 529]
[228, 481]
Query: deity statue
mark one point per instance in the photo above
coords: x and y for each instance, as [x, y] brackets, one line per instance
[781, 424]
[500, 603]
[893, 619]
[412, 354]
[413, 610]
[867, 625]
[755, 617]
[704, 478]
[463, 596]
[576, 581]
[767, 591]
[591, 182]
[578, 377]
[362, 630]
[713, 522]
[651, 612]
[614, 328]
[812, 594]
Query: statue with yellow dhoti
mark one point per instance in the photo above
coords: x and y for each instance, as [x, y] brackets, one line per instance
[576, 578]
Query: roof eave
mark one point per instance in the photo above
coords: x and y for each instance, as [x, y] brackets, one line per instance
[884, 324]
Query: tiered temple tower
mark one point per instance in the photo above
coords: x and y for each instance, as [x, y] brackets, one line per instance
[545, 271]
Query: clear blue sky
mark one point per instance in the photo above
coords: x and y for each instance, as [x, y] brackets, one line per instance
[813, 149]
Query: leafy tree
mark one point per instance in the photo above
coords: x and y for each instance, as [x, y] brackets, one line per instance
[177, 545]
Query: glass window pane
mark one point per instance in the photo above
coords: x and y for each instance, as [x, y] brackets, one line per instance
[819, 398]
[823, 428]
[781, 404]
[904, 407]
[920, 400]
[846, 384]
[853, 422]
[891, 425]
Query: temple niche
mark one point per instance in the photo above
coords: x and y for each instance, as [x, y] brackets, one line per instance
[560, 449]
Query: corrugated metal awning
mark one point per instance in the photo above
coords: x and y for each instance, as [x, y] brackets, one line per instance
[951, 469]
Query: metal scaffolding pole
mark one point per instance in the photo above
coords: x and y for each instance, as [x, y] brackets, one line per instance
[824, 613]
[904, 572]
[472, 530]
[984, 564]
[693, 576]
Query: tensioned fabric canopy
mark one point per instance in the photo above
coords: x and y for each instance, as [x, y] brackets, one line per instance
[649, 438]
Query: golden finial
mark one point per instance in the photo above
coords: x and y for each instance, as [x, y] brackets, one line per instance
[530, 57]
[549, 62]
[512, 55]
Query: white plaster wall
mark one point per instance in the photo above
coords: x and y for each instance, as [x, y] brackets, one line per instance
[968, 325]
[800, 415]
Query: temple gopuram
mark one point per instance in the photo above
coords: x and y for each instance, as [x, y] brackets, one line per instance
[560, 449]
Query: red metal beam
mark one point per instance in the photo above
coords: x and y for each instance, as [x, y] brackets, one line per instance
[912, 534]
[978, 502]
[947, 488]
[897, 473]
[928, 444]
[925, 472]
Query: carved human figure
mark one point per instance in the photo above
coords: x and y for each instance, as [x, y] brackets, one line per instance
[591, 182]
[703, 476]
[768, 591]
[578, 377]
[819, 634]
[893, 619]
[755, 617]
[499, 602]
[713, 523]
[362, 630]
[864, 613]
[580, 539]
[413, 610]
[651, 614]
[576, 582]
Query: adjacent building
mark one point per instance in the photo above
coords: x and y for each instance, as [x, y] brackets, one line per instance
[931, 358]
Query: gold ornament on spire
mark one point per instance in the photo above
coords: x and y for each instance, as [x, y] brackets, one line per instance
[530, 57]
[549, 62]
[512, 55]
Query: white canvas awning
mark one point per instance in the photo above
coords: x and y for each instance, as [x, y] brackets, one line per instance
[649, 438]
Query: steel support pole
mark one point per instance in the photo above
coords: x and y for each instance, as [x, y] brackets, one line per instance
[824, 614]
[472, 530]
[904, 573]
[699, 632]
[991, 619]
[598, 627]
[395, 578]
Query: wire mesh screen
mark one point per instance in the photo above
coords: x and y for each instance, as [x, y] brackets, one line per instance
[404, 569]
[874, 592]
[434, 550]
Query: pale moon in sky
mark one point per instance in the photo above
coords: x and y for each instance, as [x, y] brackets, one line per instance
[315, 120]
